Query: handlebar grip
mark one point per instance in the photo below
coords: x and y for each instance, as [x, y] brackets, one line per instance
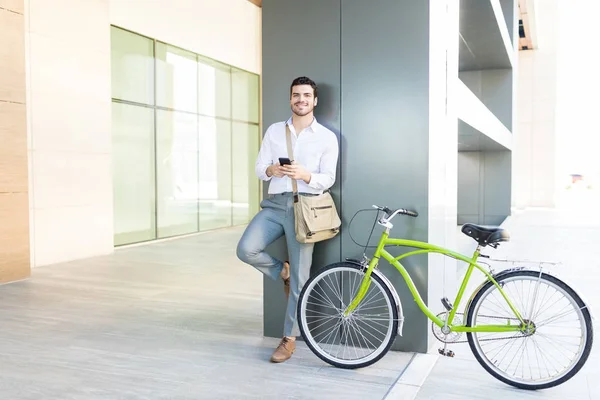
[411, 213]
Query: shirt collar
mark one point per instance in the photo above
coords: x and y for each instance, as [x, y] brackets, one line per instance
[312, 127]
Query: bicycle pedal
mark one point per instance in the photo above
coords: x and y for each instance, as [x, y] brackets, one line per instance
[446, 303]
[447, 353]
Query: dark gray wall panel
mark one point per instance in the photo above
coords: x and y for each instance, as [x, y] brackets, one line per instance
[484, 187]
[497, 186]
[385, 109]
[299, 38]
[469, 183]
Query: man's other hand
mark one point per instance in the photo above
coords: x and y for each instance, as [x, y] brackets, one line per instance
[275, 170]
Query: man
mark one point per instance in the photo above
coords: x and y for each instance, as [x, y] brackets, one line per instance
[314, 162]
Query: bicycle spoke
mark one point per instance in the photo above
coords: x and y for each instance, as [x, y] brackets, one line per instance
[357, 328]
[329, 319]
[323, 296]
[326, 306]
[556, 318]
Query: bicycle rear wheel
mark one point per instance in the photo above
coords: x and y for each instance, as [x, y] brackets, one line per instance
[355, 341]
[551, 347]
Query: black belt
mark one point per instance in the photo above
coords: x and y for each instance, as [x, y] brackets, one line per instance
[290, 194]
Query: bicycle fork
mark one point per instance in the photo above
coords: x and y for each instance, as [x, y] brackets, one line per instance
[362, 290]
[366, 282]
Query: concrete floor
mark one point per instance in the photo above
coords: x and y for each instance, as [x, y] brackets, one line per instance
[180, 319]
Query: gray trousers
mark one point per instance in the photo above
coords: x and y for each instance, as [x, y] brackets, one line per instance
[274, 220]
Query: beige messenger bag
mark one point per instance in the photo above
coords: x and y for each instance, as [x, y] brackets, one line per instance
[316, 217]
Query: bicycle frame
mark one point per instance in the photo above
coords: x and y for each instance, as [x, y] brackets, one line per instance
[429, 248]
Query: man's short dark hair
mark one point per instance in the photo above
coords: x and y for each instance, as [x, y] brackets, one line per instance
[303, 80]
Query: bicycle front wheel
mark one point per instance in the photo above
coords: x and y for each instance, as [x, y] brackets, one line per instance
[552, 345]
[354, 341]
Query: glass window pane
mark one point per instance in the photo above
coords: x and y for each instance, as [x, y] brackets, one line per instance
[177, 173]
[133, 173]
[245, 96]
[215, 173]
[176, 78]
[214, 88]
[245, 141]
[132, 67]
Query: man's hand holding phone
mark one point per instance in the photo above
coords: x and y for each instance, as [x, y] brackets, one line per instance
[293, 170]
[285, 167]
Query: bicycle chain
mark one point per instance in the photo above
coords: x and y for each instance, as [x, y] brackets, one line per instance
[481, 340]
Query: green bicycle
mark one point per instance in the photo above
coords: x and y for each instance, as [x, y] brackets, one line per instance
[526, 327]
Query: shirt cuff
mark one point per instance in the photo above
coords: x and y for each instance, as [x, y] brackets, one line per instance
[315, 181]
[263, 175]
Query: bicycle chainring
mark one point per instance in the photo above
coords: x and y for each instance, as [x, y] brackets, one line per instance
[451, 337]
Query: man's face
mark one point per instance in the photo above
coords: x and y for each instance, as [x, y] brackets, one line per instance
[303, 100]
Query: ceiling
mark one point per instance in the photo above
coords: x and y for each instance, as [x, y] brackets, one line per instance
[481, 45]
[470, 139]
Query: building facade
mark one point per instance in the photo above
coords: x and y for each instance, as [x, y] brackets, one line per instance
[124, 122]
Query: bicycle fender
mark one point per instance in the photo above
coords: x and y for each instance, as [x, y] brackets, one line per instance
[391, 288]
[558, 276]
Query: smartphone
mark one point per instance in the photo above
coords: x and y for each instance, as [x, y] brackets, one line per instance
[284, 161]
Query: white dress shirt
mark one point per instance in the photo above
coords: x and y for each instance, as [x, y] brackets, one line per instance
[316, 149]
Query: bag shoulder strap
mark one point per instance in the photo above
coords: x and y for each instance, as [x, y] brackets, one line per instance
[288, 135]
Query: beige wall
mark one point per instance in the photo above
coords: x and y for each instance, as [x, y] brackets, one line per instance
[69, 103]
[14, 218]
[69, 120]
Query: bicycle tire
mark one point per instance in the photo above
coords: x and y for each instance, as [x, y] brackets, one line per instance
[586, 317]
[382, 349]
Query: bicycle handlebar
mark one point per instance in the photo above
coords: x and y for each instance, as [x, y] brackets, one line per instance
[391, 214]
[410, 213]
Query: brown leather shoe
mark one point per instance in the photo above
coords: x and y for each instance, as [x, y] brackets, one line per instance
[286, 282]
[284, 351]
